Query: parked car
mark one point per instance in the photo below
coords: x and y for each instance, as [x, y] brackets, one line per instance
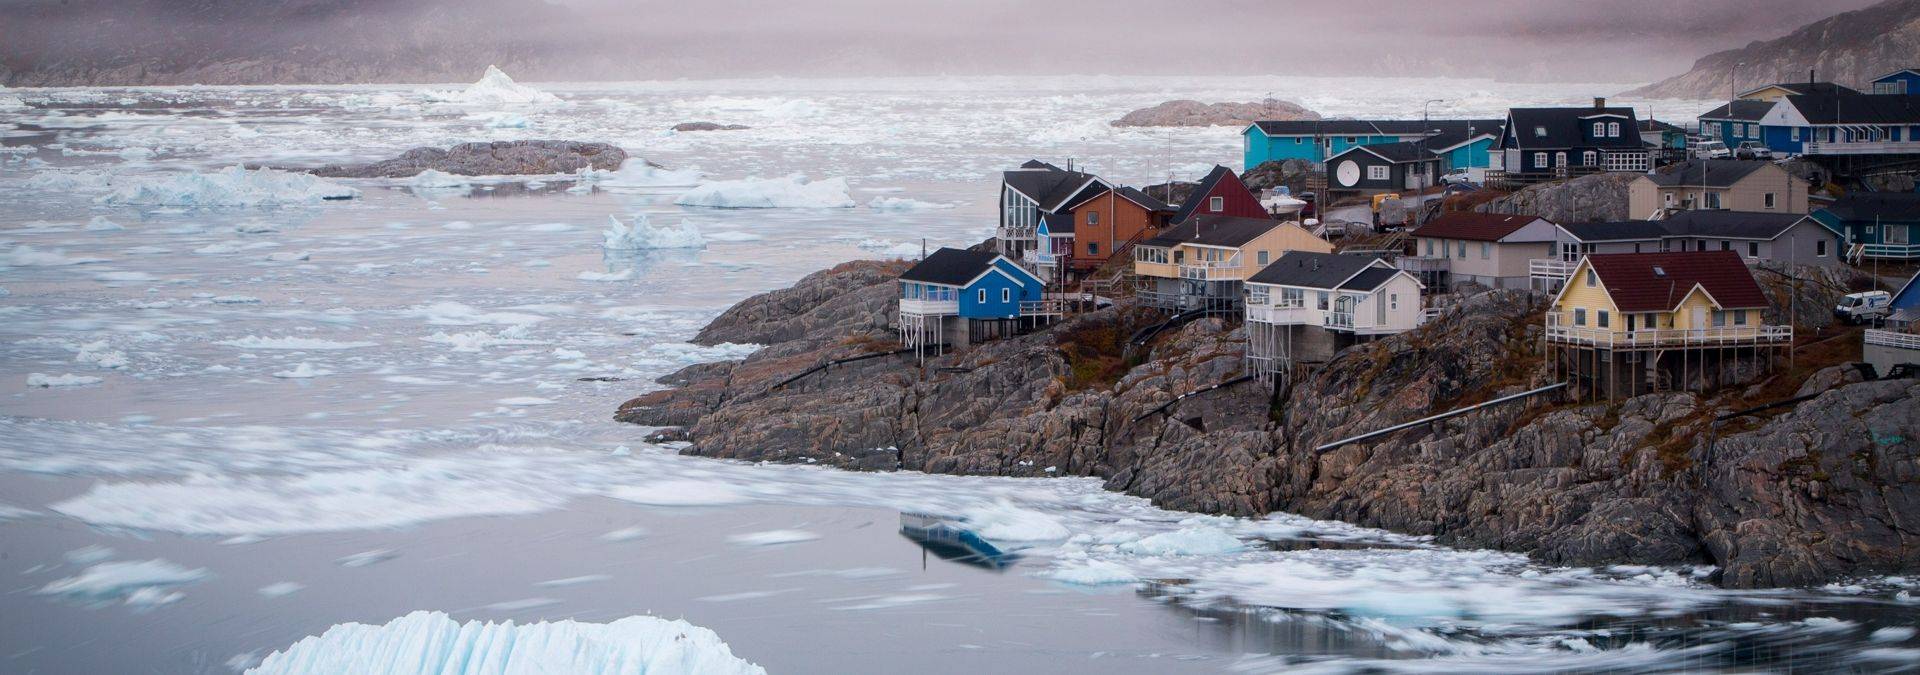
[1753, 150]
[1711, 150]
[1456, 177]
[1864, 307]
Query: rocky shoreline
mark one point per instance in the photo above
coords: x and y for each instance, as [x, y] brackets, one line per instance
[1794, 496]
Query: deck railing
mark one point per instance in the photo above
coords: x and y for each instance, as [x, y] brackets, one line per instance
[1208, 270]
[1895, 339]
[1551, 268]
[1860, 147]
[1561, 329]
[1343, 320]
[1421, 263]
[1047, 307]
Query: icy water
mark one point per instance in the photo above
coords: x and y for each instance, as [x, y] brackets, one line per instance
[265, 420]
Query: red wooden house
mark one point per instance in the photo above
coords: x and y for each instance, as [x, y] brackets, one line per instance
[1221, 194]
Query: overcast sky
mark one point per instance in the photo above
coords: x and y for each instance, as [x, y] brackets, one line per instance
[1594, 40]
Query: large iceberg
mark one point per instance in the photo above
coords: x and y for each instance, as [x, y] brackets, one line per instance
[495, 88]
[233, 186]
[791, 192]
[643, 235]
[432, 642]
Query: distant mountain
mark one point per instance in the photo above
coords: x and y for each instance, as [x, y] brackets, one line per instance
[1849, 48]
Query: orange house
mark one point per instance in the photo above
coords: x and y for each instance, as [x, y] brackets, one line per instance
[1107, 221]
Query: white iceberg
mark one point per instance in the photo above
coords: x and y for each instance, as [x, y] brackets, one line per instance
[791, 192]
[643, 235]
[233, 186]
[436, 180]
[432, 642]
[1092, 573]
[102, 224]
[68, 380]
[904, 204]
[637, 173]
[892, 249]
[495, 88]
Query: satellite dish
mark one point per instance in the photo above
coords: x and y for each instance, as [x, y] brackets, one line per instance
[1349, 173]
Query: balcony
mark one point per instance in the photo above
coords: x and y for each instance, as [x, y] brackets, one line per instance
[1554, 269]
[1561, 330]
[1883, 252]
[1016, 233]
[1861, 148]
[1213, 270]
[1418, 264]
[1339, 321]
[931, 304]
[1282, 313]
[1887, 338]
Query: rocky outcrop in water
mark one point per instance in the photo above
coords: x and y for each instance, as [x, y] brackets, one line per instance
[1189, 113]
[495, 158]
[1850, 48]
[1826, 488]
[1600, 197]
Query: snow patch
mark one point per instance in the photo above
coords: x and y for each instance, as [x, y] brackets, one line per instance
[432, 642]
[791, 192]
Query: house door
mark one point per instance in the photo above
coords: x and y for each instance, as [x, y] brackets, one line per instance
[1699, 319]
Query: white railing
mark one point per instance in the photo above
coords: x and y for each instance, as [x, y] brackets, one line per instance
[1551, 268]
[1422, 263]
[1282, 314]
[1339, 320]
[1016, 233]
[1158, 298]
[1899, 251]
[1860, 147]
[1211, 269]
[1560, 329]
[1887, 338]
[930, 306]
[1048, 307]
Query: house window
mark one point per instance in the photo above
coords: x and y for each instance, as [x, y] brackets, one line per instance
[1351, 140]
[1669, 197]
[1292, 297]
[1429, 245]
[1560, 159]
[1093, 248]
[1321, 301]
[1393, 301]
[1713, 200]
[1599, 129]
[1590, 158]
[1377, 173]
[1820, 248]
[1297, 141]
[1740, 317]
[1769, 200]
[1093, 217]
[1726, 245]
[1486, 250]
[1540, 160]
[1579, 316]
[1613, 129]
[983, 296]
[1753, 249]
[1795, 132]
[1719, 319]
[1262, 257]
[1216, 204]
[1592, 279]
[1463, 250]
[1753, 131]
[1006, 295]
[1540, 132]
[1605, 321]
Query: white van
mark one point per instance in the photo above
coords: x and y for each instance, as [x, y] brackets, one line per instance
[1864, 307]
[1711, 150]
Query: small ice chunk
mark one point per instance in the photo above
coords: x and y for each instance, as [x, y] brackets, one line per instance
[90, 554]
[289, 256]
[1006, 522]
[101, 224]
[1892, 634]
[904, 204]
[773, 537]
[1092, 573]
[303, 371]
[365, 558]
[67, 380]
[643, 235]
[525, 401]
[281, 589]
[495, 88]
[142, 582]
[790, 192]
[1189, 541]
[622, 275]
[574, 581]
[624, 534]
[291, 343]
[679, 493]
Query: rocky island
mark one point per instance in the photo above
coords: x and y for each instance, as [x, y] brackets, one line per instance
[1190, 113]
[489, 158]
[1794, 495]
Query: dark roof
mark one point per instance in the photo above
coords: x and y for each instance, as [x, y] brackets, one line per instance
[1648, 126]
[1563, 127]
[1901, 71]
[1718, 173]
[1626, 230]
[1135, 196]
[1231, 231]
[1817, 88]
[1859, 108]
[1398, 153]
[1897, 206]
[1456, 130]
[950, 266]
[1649, 282]
[1201, 192]
[1369, 279]
[1474, 226]
[1744, 110]
[1307, 269]
[1048, 185]
[1058, 223]
[1730, 224]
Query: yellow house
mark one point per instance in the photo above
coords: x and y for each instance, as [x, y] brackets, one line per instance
[1203, 262]
[1620, 312]
[1776, 92]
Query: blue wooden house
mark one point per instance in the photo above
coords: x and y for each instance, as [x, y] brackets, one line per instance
[956, 297]
[1465, 143]
[1905, 81]
[1875, 225]
[1843, 124]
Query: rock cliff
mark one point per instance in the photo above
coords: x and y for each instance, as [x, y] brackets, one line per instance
[1823, 489]
[1850, 48]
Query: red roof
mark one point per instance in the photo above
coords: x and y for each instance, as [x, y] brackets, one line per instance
[1474, 226]
[1657, 282]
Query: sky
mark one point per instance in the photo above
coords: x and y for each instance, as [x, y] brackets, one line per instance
[1575, 40]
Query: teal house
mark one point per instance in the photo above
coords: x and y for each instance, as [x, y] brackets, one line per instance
[1461, 143]
[1875, 225]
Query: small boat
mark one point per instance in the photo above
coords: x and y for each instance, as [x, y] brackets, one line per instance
[949, 539]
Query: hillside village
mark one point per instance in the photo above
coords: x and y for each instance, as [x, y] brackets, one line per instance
[1443, 327]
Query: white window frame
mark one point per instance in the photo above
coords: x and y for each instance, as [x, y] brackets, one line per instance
[1599, 129]
[1613, 130]
[1540, 160]
[1590, 158]
[1216, 204]
[982, 297]
[1006, 295]
[1771, 200]
[1379, 172]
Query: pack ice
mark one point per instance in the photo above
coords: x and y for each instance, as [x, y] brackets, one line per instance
[791, 192]
[233, 186]
[432, 642]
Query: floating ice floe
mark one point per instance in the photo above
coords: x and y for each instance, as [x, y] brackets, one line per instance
[791, 192]
[68, 380]
[281, 589]
[679, 493]
[301, 372]
[501, 120]
[892, 249]
[101, 224]
[143, 583]
[622, 275]
[904, 204]
[495, 88]
[432, 642]
[643, 235]
[9, 101]
[292, 343]
[1091, 573]
[1188, 541]
[636, 173]
[28, 256]
[1006, 522]
[98, 354]
[773, 537]
[233, 186]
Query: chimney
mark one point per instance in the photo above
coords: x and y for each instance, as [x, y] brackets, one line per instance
[1599, 103]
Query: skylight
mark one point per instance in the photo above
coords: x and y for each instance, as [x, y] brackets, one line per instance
[1658, 272]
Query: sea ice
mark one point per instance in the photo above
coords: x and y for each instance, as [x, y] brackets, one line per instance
[589, 275]
[679, 493]
[233, 186]
[281, 589]
[1092, 573]
[525, 401]
[303, 371]
[1006, 522]
[439, 181]
[101, 224]
[432, 642]
[773, 537]
[643, 235]
[292, 343]
[143, 582]
[791, 192]
[28, 256]
[903, 204]
[1189, 541]
[495, 88]
[67, 380]
[637, 173]
[574, 581]
[892, 249]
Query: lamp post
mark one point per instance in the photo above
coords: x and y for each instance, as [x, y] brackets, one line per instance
[1426, 131]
